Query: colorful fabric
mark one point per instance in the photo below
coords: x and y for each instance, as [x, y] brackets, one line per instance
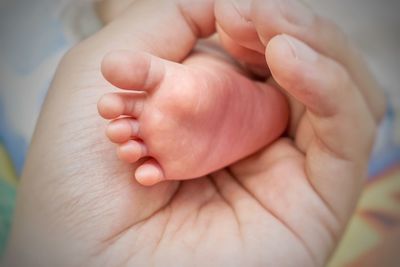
[52, 26]
[8, 182]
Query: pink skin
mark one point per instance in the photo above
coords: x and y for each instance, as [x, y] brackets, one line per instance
[186, 120]
[287, 205]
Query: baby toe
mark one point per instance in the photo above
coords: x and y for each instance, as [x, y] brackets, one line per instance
[131, 151]
[114, 105]
[110, 106]
[122, 130]
[149, 173]
[132, 70]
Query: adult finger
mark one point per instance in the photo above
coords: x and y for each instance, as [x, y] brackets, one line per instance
[252, 24]
[293, 17]
[337, 157]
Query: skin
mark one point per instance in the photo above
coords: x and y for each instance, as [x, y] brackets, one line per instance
[284, 206]
[187, 116]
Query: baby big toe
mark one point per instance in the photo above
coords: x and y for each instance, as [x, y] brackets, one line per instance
[132, 70]
[122, 130]
[131, 151]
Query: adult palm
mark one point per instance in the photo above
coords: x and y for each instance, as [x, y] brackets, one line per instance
[79, 206]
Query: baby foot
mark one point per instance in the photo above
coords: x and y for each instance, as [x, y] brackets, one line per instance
[183, 121]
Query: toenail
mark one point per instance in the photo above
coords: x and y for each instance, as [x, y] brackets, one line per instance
[296, 12]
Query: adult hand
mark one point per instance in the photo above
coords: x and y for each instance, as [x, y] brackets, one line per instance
[286, 206]
[311, 180]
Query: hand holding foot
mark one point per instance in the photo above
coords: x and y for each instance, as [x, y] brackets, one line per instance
[191, 118]
[79, 206]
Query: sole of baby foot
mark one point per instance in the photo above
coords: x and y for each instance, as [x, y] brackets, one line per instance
[194, 118]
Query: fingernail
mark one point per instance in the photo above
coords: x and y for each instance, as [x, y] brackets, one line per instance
[300, 50]
[296, 12]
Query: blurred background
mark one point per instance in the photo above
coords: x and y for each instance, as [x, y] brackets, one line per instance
[34, 34]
